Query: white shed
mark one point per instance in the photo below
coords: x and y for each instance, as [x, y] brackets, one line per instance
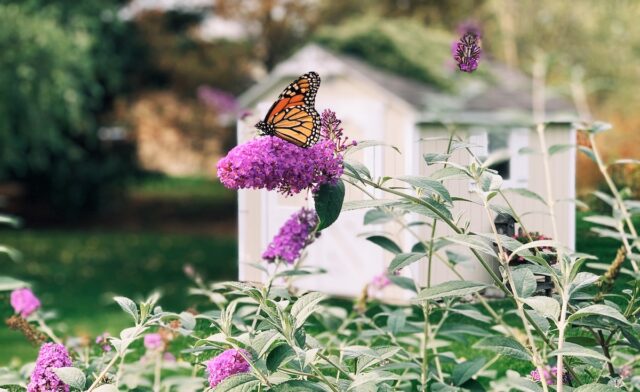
[379, 105]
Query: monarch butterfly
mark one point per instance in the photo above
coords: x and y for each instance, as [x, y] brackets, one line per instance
[292, 116]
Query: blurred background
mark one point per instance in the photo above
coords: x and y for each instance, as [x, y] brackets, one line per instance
[114, 113]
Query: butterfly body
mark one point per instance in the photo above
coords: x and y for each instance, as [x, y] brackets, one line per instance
[293, 116]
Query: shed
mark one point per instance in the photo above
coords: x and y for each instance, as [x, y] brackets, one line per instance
[379, 105]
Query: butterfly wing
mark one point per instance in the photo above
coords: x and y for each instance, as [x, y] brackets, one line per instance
[292, 116]
[299, 125]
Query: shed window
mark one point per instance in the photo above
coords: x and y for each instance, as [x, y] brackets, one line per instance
[515, 170]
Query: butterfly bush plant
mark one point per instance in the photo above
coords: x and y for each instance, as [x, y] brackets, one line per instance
[583, 337]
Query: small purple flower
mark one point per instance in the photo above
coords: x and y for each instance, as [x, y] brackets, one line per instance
[380, 281]
[218, 100]
[43, 379]
[153, 341]
[550, 375]
[168, 357]
[103, 342]
[24, 302]
[272, 163]
[295, 235]
[466, 51]
[331, 130]
[227, 364]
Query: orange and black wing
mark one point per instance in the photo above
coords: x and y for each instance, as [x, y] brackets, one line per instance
[285, 117]
[299, 125]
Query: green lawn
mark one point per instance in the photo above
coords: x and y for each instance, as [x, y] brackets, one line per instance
[77, 273]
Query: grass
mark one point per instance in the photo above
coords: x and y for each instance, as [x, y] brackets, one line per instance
[154, 186]
[77, 273]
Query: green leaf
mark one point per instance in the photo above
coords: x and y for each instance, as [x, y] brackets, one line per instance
[71, 376]
[575, 350]
[527, 193]
[106, 388]
[403, 282]
[8, 283]
[599, 126]
[557, 148]
[264, 340]
[298, 386]
[525, 282]
[464, 371]
[129, 307]
[432, 158]
[373, 378]
[360, 204]
[546, 306]
[476, 242]
[396, 321]
[603, 220]
[243, 382]
[504, 346]
[588, 152]
[305, 306]
[429, 185]
[377, 216]
[404, 259]
[626, 162]
[454, 288]
[279, 356]
[596, 388]
[357, 169]
[328, 203]
[598, 310]
[385, 243]
[449, 173]
[367, 144]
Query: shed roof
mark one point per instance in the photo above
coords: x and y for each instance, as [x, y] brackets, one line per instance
[503, 99]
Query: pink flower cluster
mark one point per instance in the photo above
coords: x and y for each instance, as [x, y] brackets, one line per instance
[153, 341]
[24, 302]
[227, 364]
[43, 379]
[550, 375]
[271, 163]
[295, 235]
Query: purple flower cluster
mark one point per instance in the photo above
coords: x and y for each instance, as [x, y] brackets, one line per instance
[43, 379]
[272, 163]
[466, 51]
[331, 130]
[227, 364]
[24, 302]
[103, 342]
[295, 235]
[550, 375]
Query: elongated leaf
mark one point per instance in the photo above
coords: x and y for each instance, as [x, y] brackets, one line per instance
[454, 288]
[106, 388]
[129, 307]
[298, 386]
[449, 173]
[596, 388]
[464, 371]
[404, 259]
[328, 203]
[8, 283]
[547, 307]
[360, 204]
[377, 216]
[598, 310]
[557, 148]
[243, 382]
[505, 346]
[476, 242]
[575, 350]
[367, 144]
[71, 376]
[525, 282]
[402, 281]
[603, 220]
[429, 185]
[527, 193]
[305, 306]
[432, 158]
[373, 378]
[385, 243]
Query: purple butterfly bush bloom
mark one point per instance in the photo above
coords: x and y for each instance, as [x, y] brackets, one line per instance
[550, 375]
[296, 234]
[103, 342]
[153, 341]
[24, 302]
[271, 163]
[227, 364]
[43, 379]
[466, 51]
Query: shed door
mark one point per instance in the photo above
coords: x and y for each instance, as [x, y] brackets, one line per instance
[349, 259]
